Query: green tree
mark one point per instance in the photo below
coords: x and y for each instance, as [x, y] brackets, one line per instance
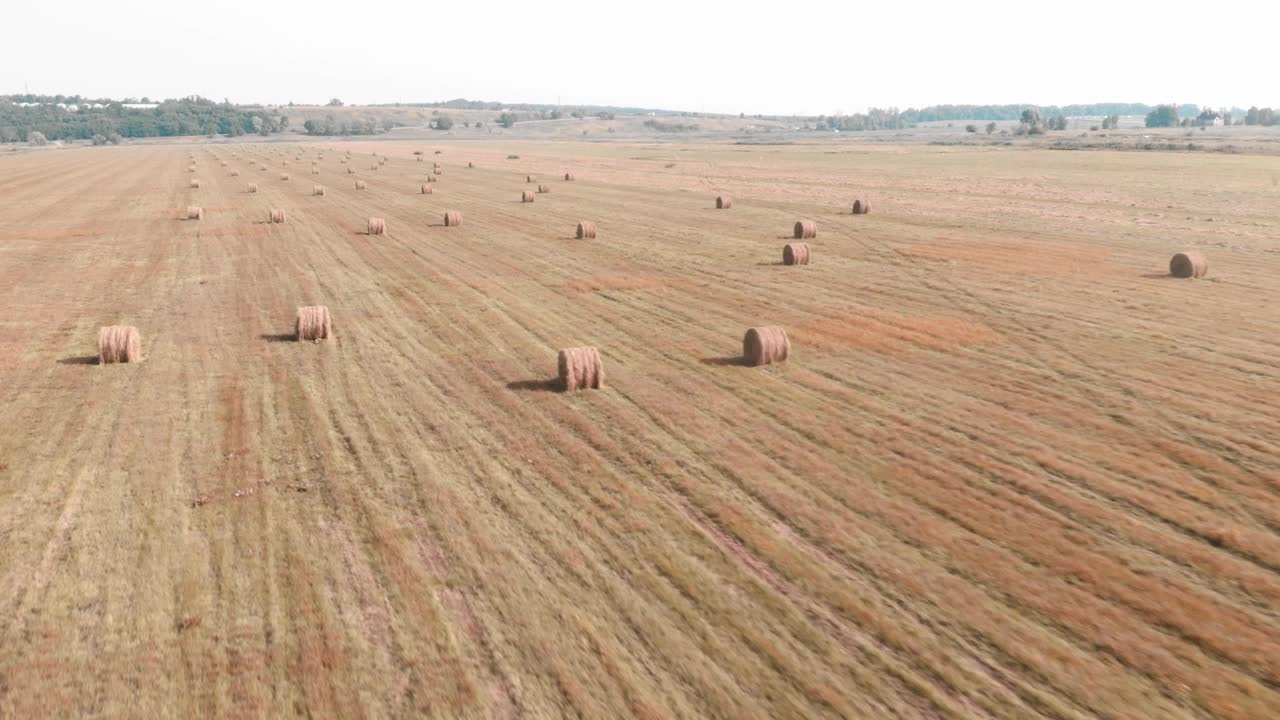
[991, 127]
[1163, 116]
[334, 102]
[444, 122]
[971, 128]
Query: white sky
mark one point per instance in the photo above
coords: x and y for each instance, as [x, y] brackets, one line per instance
[778, 58]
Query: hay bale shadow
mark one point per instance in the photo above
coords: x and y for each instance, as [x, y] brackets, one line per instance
[552, 385]
[737, 360]
[775, 262]
[1160, 276]
[79, 360]
[279, 337]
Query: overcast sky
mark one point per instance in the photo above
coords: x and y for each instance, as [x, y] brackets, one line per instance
[780, 58]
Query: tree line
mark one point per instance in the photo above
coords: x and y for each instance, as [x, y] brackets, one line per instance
[186, 116]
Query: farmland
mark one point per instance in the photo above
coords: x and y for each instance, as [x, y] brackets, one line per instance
[1012, 469]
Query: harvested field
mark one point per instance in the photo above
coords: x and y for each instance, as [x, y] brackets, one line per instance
[1011, 469]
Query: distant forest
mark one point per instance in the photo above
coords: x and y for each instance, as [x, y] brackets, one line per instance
[895, 119]
[188, 116]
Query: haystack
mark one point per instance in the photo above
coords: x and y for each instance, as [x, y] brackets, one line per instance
[253, 187]
[795, 254]
[806, 229]
[360, 185]
[569, 176]
[581, 369]
[544, 188]
[530, 178]
[586, 230]
[284, 176]
[526, 197]
[313, 323]
[1190, 264]
[318, 190]
[724, 202]
[452, 218]
[426, 189]
[195, 183]
[377, 226]
[764, 345]
[195, 213]
[351, 171]
[438, 171]
[119, 344]
[861, 207]
[277, 216]
[235, 173]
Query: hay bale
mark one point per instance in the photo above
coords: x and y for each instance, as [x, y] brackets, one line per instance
[861, 208]
[195, 213]
[432, 178]
[253, 187]
[360, 185]
[580, 369]
[569, 177]
[119, 344]
[262, 168]
[426, 188]
[1190, 264]
[438, 171]
[191, 168]
[806, 229]
[544, 188]
[194, 184]
[277, 216]
[313, 323]
[724, 202]
[284, 176]
[377, 226]
[351, 171]
[315, 170]
[530, 178]
[764, 345]
[526, 197]
[471, 164]
[586, 230]
[318, 191]
[452, 218]
[235, 173]
[795, 254]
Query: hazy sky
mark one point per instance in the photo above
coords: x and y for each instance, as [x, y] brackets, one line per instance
[780, 57]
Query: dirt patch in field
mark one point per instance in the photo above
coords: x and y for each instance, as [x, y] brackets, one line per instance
[890, 333]
[1015, 256]
[618, 281]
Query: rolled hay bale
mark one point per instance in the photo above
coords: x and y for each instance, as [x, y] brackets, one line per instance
[194, 184]
[262, 168]
[861, 207]
[581, 369]
[569, 177]
[452, 218]
[277, 216]
[360, 185]
[806, 229]
[795, 254]
[235, 173]
[437, 171]
[530, 179]
[526, 197]
[284, 176]
[315, 170]
[724, 202]
[195, 213]
[351, 171]
[377, 226]
[419, 158]
[765, 345]
[471, 164]
[318, 191]
[119, 344]
[374, 166]
[432, 178]
[313, 323]
[1190, 264]
[191, 168]
[253, 187]
[224, 163]
[586, 230]
[544, 188]
[426, 189]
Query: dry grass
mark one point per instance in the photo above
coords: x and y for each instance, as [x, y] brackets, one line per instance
[1012, 471]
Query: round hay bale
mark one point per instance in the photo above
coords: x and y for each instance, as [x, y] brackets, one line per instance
[861, 207]
[194, 184]
[569, 177]
[318, 191]
[452, 218]
[438, 171]
[764, 345]
[315, 170]
[262, 167]
[471, 164]
[191, 168]
[526, 197]
[235, 173]
[795, 254]
[586, 230]
[724, 202]
[195, 213]
[253, 187]
[313, 323]
[360, 185]
[119, 344]
[377, 226]
[284, 176]
[806, 229]
[351, 171]
[432, 178]
[544, 188]
[581, 369]
[426, 189]
[224, 163]
[530, 178]
[1190, 264]
[277, 216]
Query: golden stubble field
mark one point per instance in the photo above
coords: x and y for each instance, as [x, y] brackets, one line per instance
[1012, 469]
